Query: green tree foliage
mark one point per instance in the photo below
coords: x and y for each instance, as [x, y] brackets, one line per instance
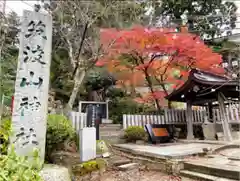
[208, 18]
[5, 133]
[9, 54]
[122, 103]
[59, 130]
[97, 84]
[14, 167]
[134, 133]
[76, 26]
[73, 47]
[97, 80]
[121, 14]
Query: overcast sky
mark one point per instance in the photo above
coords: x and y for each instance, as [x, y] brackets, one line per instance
[19, 6]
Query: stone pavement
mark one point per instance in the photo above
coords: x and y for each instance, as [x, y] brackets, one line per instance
[231, 153]
[218, 162]
[167, 150]
[223, 164]
[220, 165]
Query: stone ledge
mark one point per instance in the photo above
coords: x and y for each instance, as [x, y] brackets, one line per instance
[52, 172]
[64, 158]
[218, 170]
[203, 141]
[229, 146]
[146, 154]
[201, 176]
[153, 162]
[129, 166]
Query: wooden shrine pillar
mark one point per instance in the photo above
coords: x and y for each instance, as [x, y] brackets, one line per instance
[189, 119]
[224, 118]
[210, 111]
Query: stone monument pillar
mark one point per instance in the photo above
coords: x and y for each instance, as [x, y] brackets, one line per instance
[32, 82]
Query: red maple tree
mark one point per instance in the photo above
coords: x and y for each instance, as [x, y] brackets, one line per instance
[157, 57]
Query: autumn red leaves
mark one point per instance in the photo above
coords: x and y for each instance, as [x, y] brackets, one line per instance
[159, 59]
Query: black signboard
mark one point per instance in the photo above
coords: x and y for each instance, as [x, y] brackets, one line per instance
[159, 133]
[102, 108]
[89, 111]
[93, 118]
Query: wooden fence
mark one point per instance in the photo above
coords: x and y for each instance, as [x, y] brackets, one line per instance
[170, 116]
[175, 116]
[232, 112]
[79, 120]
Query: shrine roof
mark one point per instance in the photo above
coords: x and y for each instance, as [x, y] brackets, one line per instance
[201, 87]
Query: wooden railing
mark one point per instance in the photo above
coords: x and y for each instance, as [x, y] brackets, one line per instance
[170, 116]
[232, 112]
[175, 116]
[79, 120]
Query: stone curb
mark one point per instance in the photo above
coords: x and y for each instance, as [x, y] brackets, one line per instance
[153, 162]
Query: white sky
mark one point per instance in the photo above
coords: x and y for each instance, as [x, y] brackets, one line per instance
[18, 6]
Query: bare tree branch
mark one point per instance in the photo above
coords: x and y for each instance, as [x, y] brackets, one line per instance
[80, 48]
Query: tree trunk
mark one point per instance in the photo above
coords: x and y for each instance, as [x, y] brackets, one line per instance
[132, 91]
[169, 104]
[132, 84]
[158, 105]
[78, 79]
[166, 92]
[94, 96]
[150, 85]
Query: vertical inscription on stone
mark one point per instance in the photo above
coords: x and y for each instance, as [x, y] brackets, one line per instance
[31, 86]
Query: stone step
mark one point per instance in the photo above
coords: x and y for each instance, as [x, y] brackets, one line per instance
[107, 121]
[110, 129]
[129, 166]
[55, 172]
[111, 125]
[120, 162]
[223, 171]
[202, 177]
[110, 136]
[112, 139]
[110, 133]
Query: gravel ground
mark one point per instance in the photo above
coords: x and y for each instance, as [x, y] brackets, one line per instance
[139, 176]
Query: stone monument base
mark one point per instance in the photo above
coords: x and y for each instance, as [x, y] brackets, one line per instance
[55, 173]
[209, 131]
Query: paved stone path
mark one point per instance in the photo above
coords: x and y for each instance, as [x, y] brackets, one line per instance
[218, 162]
[224, 161]
[228, 158]
[188, 151]
[231, 152]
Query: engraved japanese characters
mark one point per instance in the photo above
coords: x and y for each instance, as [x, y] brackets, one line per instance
[32, 82]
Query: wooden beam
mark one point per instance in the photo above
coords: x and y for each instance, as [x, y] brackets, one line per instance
[201, 102]
[210, 111]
